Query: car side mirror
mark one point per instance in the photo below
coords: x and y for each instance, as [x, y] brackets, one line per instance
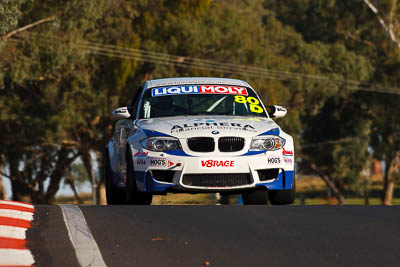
[276, 111]
[121, 113]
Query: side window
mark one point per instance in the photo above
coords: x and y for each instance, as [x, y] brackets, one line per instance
[135, 102]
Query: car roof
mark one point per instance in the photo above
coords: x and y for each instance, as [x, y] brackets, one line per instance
[194, 80]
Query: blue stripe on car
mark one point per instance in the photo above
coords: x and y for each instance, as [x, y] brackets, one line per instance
[177, 153]
[155, 186]
[251, 153]
[274, 131]
[284, 181]
[155, 133]
[152, 185]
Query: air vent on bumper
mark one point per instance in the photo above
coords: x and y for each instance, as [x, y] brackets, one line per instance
[217, 180]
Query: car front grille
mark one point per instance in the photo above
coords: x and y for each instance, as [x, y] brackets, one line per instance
[230, 144]
[201, 144]
[207, 144]
[217, 180]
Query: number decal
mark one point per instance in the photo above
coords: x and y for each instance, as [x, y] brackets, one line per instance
[253, 103]
[253, 100]
[256, 108]
[240, 99]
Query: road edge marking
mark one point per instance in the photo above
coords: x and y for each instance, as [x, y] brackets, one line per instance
[86, 249]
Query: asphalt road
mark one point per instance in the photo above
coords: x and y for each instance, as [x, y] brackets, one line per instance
[225, 235]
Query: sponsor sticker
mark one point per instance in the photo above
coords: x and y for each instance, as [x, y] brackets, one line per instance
[140, 162]
[212, 126]
[288, 160]
[287, 152]
[274, 160]
[140, 154]
[217, 164]
[158, 162]
[199, 89]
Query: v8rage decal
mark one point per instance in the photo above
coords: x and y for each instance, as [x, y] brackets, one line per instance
[199, 89]
[217, 164]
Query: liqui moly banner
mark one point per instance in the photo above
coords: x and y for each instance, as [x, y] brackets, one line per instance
[199, 89]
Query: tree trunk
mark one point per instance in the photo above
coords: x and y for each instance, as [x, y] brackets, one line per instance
[366, 196]
[101, 194]
[3, 193]
[328, 181]
[19, 189]
[63, 161]
[87, 162]
[71, 184]
[101, 188]
[388, 181]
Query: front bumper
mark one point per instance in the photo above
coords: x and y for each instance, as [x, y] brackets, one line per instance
[161, 172]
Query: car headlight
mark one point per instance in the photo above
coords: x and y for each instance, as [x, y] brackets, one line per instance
[161, 143]
[267, 143]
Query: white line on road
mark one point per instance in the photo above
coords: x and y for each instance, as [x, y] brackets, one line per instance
[85, 246]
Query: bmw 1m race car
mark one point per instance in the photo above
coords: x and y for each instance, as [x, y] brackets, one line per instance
[199, 135]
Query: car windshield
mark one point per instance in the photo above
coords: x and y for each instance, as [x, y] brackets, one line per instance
[200, 100]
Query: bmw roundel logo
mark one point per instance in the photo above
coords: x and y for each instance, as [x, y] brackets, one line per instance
[215, 132]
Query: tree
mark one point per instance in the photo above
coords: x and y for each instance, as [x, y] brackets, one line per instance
[41, 86]
[371, 31]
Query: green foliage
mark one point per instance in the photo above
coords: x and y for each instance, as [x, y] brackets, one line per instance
[10, 13]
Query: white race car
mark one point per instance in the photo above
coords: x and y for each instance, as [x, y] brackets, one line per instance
[199, 135]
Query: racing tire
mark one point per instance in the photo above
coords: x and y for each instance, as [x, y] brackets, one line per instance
[114, 196]
[132, 196]
[256, 197]
[283, 197]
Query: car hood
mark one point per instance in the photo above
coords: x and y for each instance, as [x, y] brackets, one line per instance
[185, 126]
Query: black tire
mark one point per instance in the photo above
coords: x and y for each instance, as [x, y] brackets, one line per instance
[283, 197]
[256, 197]
[132, 196]
[114, 196]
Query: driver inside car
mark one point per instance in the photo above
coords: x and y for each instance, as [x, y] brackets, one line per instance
[164, 106]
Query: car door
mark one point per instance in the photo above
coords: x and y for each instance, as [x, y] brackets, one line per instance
[123, 130]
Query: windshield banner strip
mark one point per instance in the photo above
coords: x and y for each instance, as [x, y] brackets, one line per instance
[199, 89]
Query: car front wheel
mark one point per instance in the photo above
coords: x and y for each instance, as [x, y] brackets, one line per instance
[114, 196]
[132, 195]
[283, 197]
[256, 197]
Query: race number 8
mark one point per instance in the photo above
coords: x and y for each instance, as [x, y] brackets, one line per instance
[253, 103]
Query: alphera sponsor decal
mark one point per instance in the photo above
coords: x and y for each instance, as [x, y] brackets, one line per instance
[217, 164]
[199, 89]
[196, 126]
[274, 160]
